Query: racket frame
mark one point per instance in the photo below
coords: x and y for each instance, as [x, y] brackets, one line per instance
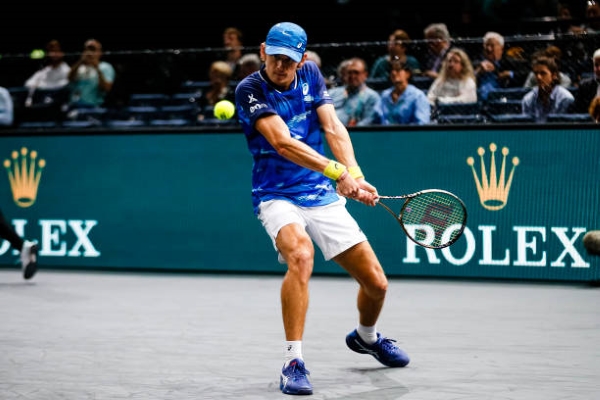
[407, 198]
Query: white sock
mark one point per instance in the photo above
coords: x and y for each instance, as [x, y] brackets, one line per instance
[293, 349]
[367, 333]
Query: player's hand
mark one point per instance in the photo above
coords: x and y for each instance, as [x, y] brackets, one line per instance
[358, 189]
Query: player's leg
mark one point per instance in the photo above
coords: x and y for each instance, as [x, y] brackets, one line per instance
[8, 233]
[296, 248]
[284, 224]
[361, 263]
[28, 250]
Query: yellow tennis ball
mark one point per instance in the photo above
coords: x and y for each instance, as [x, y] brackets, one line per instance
[224, 109]
[37, 54]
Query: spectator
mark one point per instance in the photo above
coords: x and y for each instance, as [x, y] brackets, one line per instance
[339, 79]
[219, 76]
[592, 19]
[355, 103]
[7, 112]
[495, 70]
[315, 57]
[588, 87]
[234, 47]
[438, 43]
[594, 109]
[247, 64]
[456, 80]
[550, 51]
[403, 103]
[548, 97]
[397, 47]
[90, 78]
[55, 73]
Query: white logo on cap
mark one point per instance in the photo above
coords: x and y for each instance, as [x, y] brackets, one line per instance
[285, 33]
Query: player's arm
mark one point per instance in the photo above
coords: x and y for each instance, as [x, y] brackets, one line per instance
[339, 142]
[274, 129]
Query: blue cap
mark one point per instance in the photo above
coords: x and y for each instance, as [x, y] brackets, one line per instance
[288, 39]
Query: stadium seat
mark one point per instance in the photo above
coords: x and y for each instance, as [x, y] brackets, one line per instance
[148, 99]
[175, 122]
[584, 117]
[461, 119]
[178, 99]
[497, 107]
[505, 94]
[511, 118]
[422, 82]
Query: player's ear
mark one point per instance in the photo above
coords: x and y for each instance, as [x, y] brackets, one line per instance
[301, 63]
[263, 54]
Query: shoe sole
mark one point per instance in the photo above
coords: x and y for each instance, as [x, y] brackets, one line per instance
[299, 392]
[31, 268]
[304, 392]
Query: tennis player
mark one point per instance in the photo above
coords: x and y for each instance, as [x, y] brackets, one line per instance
[285, 112]
[28, 250]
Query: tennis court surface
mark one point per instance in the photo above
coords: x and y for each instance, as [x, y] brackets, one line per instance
[102, 335]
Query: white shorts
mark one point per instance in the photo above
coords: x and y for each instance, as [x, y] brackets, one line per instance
[331, 227]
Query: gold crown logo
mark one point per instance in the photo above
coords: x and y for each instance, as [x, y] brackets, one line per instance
[24, 173]
[493, 191]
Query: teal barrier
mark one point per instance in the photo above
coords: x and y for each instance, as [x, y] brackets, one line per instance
[181, 201]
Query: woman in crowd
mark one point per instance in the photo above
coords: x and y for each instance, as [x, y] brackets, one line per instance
[456, 81]
[548, 97]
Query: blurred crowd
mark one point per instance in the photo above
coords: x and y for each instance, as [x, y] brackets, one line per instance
[433, 79]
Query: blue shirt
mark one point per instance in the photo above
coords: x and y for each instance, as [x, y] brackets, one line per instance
[273, 176]
[85, 90]
[560, 102]
[411, 108]
[355, 108]
[6, 107]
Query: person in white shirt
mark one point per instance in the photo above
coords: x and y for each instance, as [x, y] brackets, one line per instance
[55, 74]
[456, 82]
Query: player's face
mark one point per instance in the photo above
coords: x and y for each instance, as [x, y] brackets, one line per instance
[280, 69]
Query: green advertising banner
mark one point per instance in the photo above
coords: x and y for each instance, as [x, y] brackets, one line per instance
[181, 201]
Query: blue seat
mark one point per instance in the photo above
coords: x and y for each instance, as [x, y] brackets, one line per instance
[191, 86]
[38, 125]
[422, 82]
[461, 119]
[148, 99]
[178, 99]
[95, 115]
[583, 117]
[123, 123]
[79, 124]
[458, 109]
[175, 122]
[504, 94]
[183, 111]
[511, 118]
[497, 107]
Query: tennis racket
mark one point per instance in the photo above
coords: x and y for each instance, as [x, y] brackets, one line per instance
[431, 218]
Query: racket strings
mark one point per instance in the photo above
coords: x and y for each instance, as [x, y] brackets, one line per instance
[433, 213]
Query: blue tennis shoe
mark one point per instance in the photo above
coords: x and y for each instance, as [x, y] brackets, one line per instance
[294, 379]
[384, 349]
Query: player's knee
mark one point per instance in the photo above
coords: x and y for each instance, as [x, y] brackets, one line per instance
[301, 262]
[377, 287]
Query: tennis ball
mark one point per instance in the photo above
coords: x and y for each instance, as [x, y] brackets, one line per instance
[37, 54]
[224, 109]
